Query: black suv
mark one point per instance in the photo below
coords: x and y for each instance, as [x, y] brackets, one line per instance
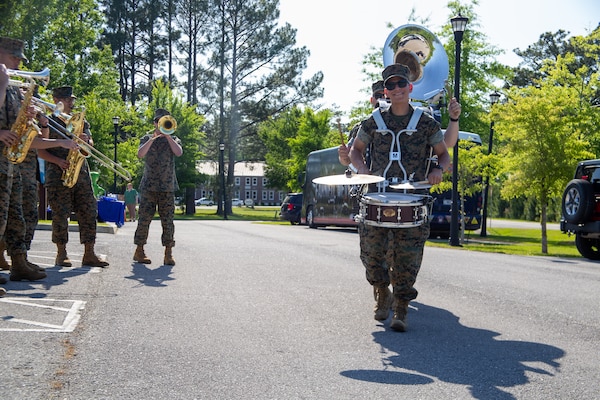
[291, 208]
[581, 209]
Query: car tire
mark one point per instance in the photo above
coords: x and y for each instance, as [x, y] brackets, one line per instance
[589, 248]
[578, 201]
[310, 218]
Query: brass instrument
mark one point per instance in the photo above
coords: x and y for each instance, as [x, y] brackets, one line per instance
[25, 129]
[73, 131]
[424, 55]
[43, 76]
[167, 125]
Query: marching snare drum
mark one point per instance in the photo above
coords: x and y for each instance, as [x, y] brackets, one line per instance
[394, 210]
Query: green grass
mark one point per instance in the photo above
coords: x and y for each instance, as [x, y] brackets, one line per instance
[527, 242]
[258, 213]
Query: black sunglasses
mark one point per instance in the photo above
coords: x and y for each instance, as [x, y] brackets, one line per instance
[391, 85]
[378, 96]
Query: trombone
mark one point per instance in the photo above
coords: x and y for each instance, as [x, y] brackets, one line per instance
[43, 76]
[87, 151]
[166, 125]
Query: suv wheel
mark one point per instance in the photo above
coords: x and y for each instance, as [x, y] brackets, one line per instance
[578, 201]
[589, 248]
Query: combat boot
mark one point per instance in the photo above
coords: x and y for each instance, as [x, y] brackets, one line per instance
[62, 260]
[33, 266]
[399, 318]
[20, 271]
[90, 258]
[169, 260]
[3, 263]
[384, 298]
[140, 256]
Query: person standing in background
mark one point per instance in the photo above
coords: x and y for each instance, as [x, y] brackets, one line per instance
[131, 200]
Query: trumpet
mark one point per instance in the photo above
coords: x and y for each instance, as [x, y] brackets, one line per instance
[85, 151]
[42, 76]
[57, 109]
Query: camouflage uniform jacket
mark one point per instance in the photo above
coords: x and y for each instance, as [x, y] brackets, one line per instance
[414, 148]
[159, 168]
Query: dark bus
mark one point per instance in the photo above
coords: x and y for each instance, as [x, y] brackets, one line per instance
[328, 204]
[337, 205]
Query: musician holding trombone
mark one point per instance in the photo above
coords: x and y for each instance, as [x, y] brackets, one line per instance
[65, 199]
[158, 185]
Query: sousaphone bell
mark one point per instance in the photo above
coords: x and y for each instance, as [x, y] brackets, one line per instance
[424, 55]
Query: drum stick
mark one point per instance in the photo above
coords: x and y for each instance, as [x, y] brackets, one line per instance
[341, 133]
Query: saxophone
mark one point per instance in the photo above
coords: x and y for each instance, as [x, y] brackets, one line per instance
[76, 157]
[25, 129]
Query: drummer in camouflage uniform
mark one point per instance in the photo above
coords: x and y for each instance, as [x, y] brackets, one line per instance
[157, 188]
[392, 254]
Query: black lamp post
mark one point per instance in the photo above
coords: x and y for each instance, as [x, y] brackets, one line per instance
[458, 26]
[115, 120]
[494, 97]
[222, 167]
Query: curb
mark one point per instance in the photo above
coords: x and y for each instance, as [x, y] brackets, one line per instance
[109, 228]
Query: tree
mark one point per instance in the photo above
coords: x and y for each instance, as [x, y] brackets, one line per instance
[288, 139]
[543, 132]
[260, 70]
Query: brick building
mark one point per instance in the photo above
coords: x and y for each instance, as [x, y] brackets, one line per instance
[249, 183]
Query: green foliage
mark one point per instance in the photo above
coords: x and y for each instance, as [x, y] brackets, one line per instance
[289, 138]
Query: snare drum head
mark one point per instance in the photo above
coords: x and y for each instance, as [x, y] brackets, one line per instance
[392, 198]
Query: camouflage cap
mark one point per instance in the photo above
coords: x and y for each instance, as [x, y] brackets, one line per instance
[377, 87]
[14, 47]
[160, 112]
[63, 92]
[392, 70]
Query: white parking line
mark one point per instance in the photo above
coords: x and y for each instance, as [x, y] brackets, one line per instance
[72, 313]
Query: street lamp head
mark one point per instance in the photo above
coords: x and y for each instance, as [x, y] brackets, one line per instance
[221, 146]
[116, 120]
[459, 23]
[494, 97]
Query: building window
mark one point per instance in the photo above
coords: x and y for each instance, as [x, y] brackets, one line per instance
[271, 195]
[237, 181]
[265, 182]
[264, 195]
[254, 181]
[248, 181]
[254, 195]
[247, 195]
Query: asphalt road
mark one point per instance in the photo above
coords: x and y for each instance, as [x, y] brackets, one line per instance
[259, 311]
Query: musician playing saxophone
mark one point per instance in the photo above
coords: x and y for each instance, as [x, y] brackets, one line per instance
[12, 223]
[78, 199]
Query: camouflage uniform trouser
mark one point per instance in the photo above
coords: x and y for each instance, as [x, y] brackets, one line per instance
[12, 224]
[30, 195]
[393, 255]
[149, 201]
[78, 199]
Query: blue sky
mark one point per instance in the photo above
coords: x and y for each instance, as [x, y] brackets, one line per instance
[340, 32]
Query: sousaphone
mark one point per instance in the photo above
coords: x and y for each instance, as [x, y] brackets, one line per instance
[424, 55]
